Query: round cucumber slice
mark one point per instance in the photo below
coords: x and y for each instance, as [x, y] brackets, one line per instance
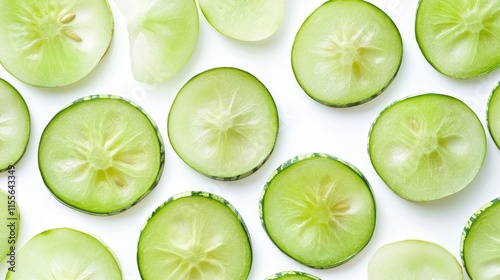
[64, 253]
[223, 123]
[292, 275]
[460, 39]
[413, 259]
[195, 235]
[15, 125]
[319, 210]
[493, 115]
[427, 147]
[10, 219]
[52, 43]
[244, 20]
[101, 154]
[346, 53]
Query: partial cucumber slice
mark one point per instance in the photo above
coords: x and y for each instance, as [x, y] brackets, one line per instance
[493, 115]
[15, 125]
[223, 123]
[413, 259]
[9, 217]
[244, 20]
[101, 154]
[195, 235]
[51, 43]
[318, 209]
[459, 38]
[292, 275]
[346, 53]
[427, 147]
[162, 35]
[64, 253]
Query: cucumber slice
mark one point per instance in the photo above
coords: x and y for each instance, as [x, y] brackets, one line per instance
[162, 35]
[427, 147]
[292, 275]
[346, 53]
[319, 210]
[244, 20]
[52, 43]
[101, 155]
[223, 123]
[493, 115]
[194, 235]
[9, 216]
[15, 125]
[413, 259]
[460, 39]
[65, 253]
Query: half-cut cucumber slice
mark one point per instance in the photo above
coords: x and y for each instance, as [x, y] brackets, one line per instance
[194, 235]
[9, 217]
[493, 115]
[318, 210]
[346, 53]
[427, 147]
[101, 154]
[413, 259]
[15, 125]
[460, 39]
[223, 123]
[292, 275]
[64, 253]
[51, 43]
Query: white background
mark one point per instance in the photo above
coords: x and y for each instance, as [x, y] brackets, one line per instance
[305, 126]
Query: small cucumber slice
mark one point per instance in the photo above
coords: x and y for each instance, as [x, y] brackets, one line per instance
[427, 147]
[413, 259]
[101, 155]
[223, 123]
[292, 275]
[195, 235]
[64, 253]
[460, 39]
[15, 125]
[493, 115]
[319, 210]
[10, 219]
[346, 53]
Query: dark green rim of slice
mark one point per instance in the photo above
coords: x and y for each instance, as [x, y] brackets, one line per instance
[495, 93]
[282, 274]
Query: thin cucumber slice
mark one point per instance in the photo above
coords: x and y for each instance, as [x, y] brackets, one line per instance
[253, 20]
[195, 235]
[52, 43]
[101, 155]
[319, 210]
[65, 253]
[427, 147]
[413, 259]
[9, 217]
[223, 123]
[493, 115]
[346, 53]
[292, 275]
[460, 38]
[162, 35]
[15, 125]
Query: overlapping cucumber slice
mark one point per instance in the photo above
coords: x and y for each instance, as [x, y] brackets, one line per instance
[292, 275]
[493, 115]
[10, 218]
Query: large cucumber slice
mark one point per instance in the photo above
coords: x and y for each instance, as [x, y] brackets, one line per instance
[10, 219]
[51, 43]
[427, 147]
[346, 53]
[64, 253]
[195, 235]
[101, 154]
[292, 275]
[459, 38]
[223, 123]
[318, 210]
[493, 115]
[15, 125]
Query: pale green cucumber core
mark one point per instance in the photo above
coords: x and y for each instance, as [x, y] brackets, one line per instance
[493, 115]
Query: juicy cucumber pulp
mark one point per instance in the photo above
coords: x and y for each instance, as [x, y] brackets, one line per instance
[346, 53]
[318, 210]
[9, 217]
[459, 38]
[292, 275]
[427, 147]
[493, 115]
[195, 235]
[101, 154]
[223, 123]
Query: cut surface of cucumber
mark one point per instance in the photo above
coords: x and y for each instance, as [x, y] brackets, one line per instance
[10, 218]
[292, 275]
[460, 38]
[427, 147]
[65, 253]
[51, 43]
[101, 154]
[346, 53]
[195, 235]
[318, 210]
[493, 115]
[223, 123]
[413, 259]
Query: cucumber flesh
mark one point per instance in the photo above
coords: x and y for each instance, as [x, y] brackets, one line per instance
[8, 215]
[493, 115]
[292, 275]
